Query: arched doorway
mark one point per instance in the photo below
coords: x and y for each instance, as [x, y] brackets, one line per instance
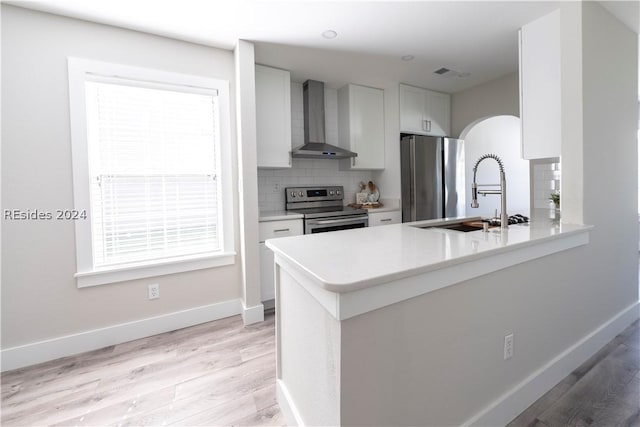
[499, 135]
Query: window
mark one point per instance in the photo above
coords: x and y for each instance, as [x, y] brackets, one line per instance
[151, 170]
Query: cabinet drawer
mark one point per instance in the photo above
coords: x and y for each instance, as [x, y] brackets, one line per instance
[284, 228]
[384, 218]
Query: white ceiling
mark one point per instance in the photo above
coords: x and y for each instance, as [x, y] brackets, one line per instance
[478, 37]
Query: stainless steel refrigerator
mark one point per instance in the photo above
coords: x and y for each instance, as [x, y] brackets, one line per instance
[432, 177]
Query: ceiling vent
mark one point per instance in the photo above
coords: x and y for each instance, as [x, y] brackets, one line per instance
[448, 72]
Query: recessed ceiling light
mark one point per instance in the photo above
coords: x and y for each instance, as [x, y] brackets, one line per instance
[329, 34]
[407, 57]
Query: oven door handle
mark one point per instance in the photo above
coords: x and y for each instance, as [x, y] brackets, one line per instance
[336, 221]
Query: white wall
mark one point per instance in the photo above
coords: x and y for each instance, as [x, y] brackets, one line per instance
[608, 160]
[599, 155]
[495, 98]
[498, 135]
[40, 299]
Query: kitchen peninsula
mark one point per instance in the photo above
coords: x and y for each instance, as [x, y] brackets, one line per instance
[403, 325]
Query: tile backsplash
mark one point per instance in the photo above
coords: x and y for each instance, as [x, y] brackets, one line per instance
[546, 180]
[307, 172]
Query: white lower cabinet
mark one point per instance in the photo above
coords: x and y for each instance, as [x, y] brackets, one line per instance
[271, 230]
[385, 218]
[267, 289]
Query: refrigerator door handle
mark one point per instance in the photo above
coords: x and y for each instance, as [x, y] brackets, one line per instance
[412, 164]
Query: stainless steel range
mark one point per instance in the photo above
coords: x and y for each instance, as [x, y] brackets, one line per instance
[323, 210]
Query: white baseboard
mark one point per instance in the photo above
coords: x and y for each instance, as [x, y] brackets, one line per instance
[42, 351]
[254, 314]
[515, 401]
[291, 415]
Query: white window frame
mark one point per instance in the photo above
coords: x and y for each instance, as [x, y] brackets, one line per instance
[81, 70]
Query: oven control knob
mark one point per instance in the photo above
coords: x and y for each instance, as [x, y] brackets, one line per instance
[300, 194]
[331, 193]
[337, 192]
[293, 194]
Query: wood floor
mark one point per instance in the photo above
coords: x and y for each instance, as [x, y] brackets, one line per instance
[218, 373]
[603, 391]
[222, 374]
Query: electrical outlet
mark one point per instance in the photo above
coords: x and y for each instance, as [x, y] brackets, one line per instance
[276, 188]
[154, 291]
[508, 346]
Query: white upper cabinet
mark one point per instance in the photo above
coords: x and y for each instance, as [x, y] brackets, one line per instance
[273, 117]
[438, 113]
[424, 112]
[540, 96]
[361, 125]
[412, 108]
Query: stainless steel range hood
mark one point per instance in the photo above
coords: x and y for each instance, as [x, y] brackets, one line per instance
[315, 146]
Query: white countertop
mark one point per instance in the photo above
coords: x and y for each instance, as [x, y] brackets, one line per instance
[389, 205]
[278, 216]
[384, 208]
[350, 260]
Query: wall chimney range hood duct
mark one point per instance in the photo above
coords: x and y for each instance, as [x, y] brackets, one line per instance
[315, 146]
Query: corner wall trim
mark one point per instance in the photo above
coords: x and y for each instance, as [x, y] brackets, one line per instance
[254, 314]
[42, 351]
[515, 401]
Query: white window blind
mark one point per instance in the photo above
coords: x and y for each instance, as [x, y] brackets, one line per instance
[154, 190]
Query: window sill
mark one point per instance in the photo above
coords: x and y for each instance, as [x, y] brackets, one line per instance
[144, 270]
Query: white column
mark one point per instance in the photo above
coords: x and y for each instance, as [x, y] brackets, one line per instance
[253, 310]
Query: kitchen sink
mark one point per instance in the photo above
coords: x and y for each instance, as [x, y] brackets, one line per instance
[458, 226]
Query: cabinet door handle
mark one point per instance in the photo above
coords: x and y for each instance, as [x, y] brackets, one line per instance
[428, 125]
[385, 220]
[281, 230]
[353, 161]
[424, 125]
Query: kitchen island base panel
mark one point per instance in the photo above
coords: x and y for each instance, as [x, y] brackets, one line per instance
[435, 359]
[402, 325]
[309, 338]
